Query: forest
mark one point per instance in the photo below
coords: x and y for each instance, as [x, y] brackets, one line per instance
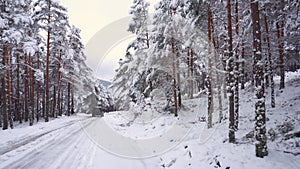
[185, 50]
[216, 48]
[42, 63]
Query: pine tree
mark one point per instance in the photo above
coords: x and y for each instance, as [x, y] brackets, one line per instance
[4, 105]
[260, 110]
[236, 68]
[195, 14]
[270, 62]
[280, 35]
[53, 14]
[23, 57]
[209, 74]
[139, 22]
[230, 72]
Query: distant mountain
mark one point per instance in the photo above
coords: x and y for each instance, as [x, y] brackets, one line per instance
[104, 82]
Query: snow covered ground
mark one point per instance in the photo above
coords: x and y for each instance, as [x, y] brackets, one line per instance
[153, 140]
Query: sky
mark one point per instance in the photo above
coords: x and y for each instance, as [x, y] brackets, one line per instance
[98, 20]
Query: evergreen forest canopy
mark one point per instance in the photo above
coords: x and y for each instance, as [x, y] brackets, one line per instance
[42, 64]
[191, 47]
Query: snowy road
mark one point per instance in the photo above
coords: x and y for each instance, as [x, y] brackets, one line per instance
[57, 149]
[66, 147]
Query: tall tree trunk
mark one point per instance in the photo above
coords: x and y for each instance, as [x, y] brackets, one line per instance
[178, 82]
[47, 80]
[267, 66]
[54, 114]
[69, 99]
[9, 91]
[62, 104]
[38, 91]
[237, 68]
[8, 67]
[190, 73]
[4, 102]
[243, 65]
[281, 55]
[31, 120]
[174, 77]
[270, 60]
[26, 92]
[13, 98]
[147, 40]
[260, 110]
[59, 86]
[72, 99]
[44, 103]
[47, 85]
[230, 72]
[210, 106]
[18, 104]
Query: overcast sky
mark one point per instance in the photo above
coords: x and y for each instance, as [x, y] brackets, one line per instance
[91, 16]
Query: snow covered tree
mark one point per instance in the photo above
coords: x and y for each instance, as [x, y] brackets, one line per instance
[236, 67]
[166, 46]
[23, 24]
[195, 14]
[258, 67]
[15, 39]
[50, 12]
[4, 26]
[230, 72]
[121, 82]
[74, 59]
[210, 94]
[139, 22]
[270, 61]
[133, 67]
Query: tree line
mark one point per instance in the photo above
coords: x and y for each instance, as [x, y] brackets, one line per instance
[43, 70]
[215, 47]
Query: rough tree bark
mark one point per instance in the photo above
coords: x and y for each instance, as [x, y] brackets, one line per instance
[210, 106]
[59, 86]
[178, 81]
[38, 91]
[174, 77]
[26, 89]
[258, 67]
[31, 119]
[280, 35]
[12, 97]
[243, 66]
[237, 68]
[69, 99]
[18, 105]
[54, 113]
[4, 106]
[230, 72]
[270, 60]
[72, 99]
[190, 73]
[47, 85]
[9, 92]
